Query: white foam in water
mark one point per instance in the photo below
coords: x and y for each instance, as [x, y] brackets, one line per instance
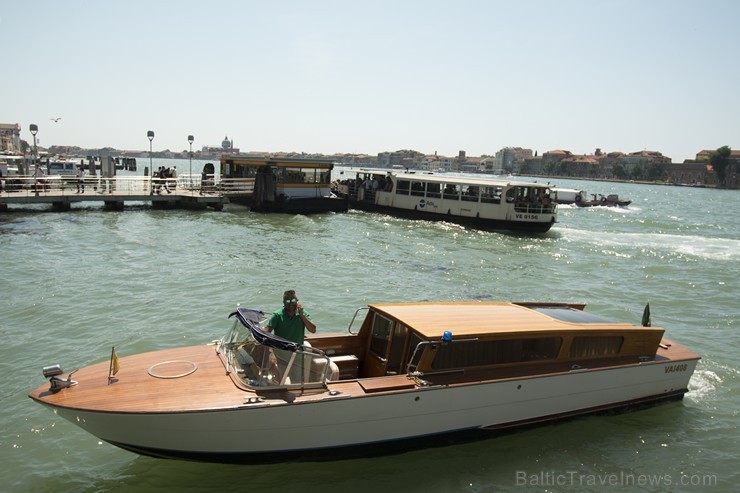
[697, 246]
[702, 384]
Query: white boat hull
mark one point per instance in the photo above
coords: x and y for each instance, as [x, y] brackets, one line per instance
[275, 426]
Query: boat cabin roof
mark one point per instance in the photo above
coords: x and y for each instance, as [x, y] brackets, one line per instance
[573, 190]
[468, 319]
[279, 161]
[447, 179]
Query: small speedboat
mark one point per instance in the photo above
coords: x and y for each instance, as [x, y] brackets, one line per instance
[611, 200]
[412, 371]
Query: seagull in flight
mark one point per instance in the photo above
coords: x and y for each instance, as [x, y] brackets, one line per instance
[55, 120]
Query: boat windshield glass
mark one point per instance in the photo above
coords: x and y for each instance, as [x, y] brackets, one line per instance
[270, 363]
[568, 314]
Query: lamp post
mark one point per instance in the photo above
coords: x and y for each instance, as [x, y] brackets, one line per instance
[190, 141]
[34, 130]
[150, 136]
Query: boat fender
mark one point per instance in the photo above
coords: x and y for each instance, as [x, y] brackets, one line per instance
[449, 211]
[603, 200]
[578, 198]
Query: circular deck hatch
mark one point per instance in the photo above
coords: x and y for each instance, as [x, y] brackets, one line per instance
[172, 369]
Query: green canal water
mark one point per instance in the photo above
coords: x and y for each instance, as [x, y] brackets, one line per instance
[76, 283]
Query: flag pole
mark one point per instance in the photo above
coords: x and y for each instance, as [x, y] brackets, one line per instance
[646, 316]
[113, 367]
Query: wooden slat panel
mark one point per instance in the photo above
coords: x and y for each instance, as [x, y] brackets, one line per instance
[134, 390]
[382, 384]
[478, 318]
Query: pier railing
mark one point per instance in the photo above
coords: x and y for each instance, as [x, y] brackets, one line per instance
[28, 185]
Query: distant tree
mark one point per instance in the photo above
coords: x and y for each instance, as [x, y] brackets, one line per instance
[655, 171]
[719, 160]
[24, 146]
[619, 171]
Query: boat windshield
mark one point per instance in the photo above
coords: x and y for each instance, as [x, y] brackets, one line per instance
[567, 314]
[260, 359]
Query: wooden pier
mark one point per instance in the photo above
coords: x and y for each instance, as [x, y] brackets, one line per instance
[113, 193]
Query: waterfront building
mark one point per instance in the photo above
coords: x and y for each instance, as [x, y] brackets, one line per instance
[10, 137]
[511, 158]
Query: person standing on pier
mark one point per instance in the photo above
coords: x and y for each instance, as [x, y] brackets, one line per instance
[163, 180]
[39, 179]
[81, 180]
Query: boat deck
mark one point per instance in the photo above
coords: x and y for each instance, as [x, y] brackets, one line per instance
[208, 387]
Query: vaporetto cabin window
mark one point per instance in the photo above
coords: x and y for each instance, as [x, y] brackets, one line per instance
[434, 191]
[403, 187]
[417, 188]
[470, 193]
[491, 195]
[451, 192]
[465, 354]
[594, 346]
[291, 175]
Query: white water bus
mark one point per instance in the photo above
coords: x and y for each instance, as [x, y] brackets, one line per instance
[412, 371]
[481, 203]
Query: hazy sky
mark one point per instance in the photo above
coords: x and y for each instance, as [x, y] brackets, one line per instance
[372, 76]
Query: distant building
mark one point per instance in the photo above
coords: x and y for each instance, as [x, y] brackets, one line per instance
[706, 154]
[227, 147]
[406, 158]
[700, 172]
[10, 137]
[511, 158]
[473, 165]
[585, 165]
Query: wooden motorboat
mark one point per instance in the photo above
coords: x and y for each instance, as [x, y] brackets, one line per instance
[412, 371]
[481, 203]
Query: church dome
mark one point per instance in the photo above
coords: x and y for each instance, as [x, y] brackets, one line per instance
[226, 144]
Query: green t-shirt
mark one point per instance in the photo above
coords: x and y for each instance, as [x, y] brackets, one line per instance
[290, 328]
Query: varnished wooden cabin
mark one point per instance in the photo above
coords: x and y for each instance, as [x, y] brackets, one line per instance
[459, 342]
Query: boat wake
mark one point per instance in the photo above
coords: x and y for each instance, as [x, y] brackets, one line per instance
[723, 249]
[703, 384]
